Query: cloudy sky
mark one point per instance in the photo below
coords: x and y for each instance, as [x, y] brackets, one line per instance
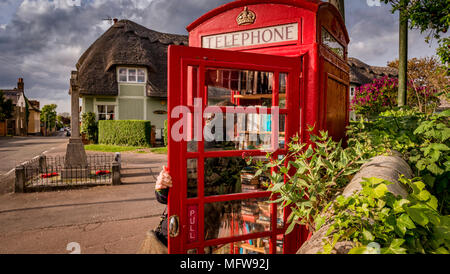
[41, 40]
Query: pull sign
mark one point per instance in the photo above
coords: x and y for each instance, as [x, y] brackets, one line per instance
[193, 223]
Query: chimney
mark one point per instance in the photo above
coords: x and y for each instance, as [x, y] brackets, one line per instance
[20, 85]
[115, 20]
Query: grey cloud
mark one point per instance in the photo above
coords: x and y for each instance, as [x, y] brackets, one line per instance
[43, 47]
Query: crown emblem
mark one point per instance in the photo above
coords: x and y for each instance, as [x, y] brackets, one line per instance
[247, 17]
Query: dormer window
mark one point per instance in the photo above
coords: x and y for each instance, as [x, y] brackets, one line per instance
[132, 75]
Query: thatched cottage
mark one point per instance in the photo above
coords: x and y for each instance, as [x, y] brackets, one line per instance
[123, 75]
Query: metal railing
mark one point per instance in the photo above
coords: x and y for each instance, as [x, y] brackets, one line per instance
[45, 172]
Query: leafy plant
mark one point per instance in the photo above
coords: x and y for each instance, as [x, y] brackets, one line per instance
[399, 225]
[89, 126]
[381, 95]
[310, 175]
[431, 157]
[422, 140]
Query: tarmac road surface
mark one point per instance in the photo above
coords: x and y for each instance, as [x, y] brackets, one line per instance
[16, 150]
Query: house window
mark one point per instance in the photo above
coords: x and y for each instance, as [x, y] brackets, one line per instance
[106, 112]
[141, 76]
[132, 75]
[123, 72]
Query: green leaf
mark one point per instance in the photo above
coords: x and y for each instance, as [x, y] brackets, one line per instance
[395, 247]
[309, 152]
[404, 223]
[433, 168]
[290, 228]
[320, 220]
[417, 215]
[367, 235]
[398, 205]
[433, 203]
[358, 250]
[424, 195]
[380, 190]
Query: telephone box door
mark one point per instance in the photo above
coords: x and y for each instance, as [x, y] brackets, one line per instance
[228, 110]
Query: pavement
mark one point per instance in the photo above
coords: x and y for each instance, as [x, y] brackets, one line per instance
[102, 220]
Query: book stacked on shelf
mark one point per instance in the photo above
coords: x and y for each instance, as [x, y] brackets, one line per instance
[249, 182]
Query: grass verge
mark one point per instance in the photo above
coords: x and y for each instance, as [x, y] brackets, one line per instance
[114, 148]
[110, 148]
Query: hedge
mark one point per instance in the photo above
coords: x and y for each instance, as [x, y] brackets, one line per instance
[128, 133]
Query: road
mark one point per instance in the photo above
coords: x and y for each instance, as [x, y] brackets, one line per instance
[14, 151]
[102, 220]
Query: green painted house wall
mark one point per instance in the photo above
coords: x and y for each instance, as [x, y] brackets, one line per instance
[131, 104]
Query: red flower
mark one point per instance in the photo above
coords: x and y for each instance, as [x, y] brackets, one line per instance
[102, 172]
[49, 175]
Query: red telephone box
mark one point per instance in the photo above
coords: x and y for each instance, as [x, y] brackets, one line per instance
[256, 74]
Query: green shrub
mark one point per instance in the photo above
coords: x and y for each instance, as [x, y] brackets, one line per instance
[410, 225]
[128, 133]
[89, 126]
[424, 142]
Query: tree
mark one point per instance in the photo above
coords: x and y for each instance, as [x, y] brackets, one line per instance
[63, 120]
[432, 16]
[48, 116]
[426, 73]
[6, 108]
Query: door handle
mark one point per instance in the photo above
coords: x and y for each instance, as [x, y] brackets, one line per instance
[174, 226]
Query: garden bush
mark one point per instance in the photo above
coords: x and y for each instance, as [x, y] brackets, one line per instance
[410, 225]
[126, 133]
[89, 126]
[381, 95]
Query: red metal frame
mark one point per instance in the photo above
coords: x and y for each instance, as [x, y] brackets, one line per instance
[179, 60]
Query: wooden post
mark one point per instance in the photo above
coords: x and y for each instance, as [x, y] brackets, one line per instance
[403, 58]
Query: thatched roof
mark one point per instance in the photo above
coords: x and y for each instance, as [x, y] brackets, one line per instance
[362, 73]
[126, 43]
[12, 94]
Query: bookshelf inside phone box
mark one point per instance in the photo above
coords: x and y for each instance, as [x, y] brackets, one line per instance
[256, 74]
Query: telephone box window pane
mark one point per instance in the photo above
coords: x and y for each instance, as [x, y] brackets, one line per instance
[193, 86]
[280, 244]
[254, 246]
[192, 178]
[241, 131]
[231, 175]
[239, 87]
[329, 41]
[282, 132]
[237, 218]
[282, 90]
[280, 216]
